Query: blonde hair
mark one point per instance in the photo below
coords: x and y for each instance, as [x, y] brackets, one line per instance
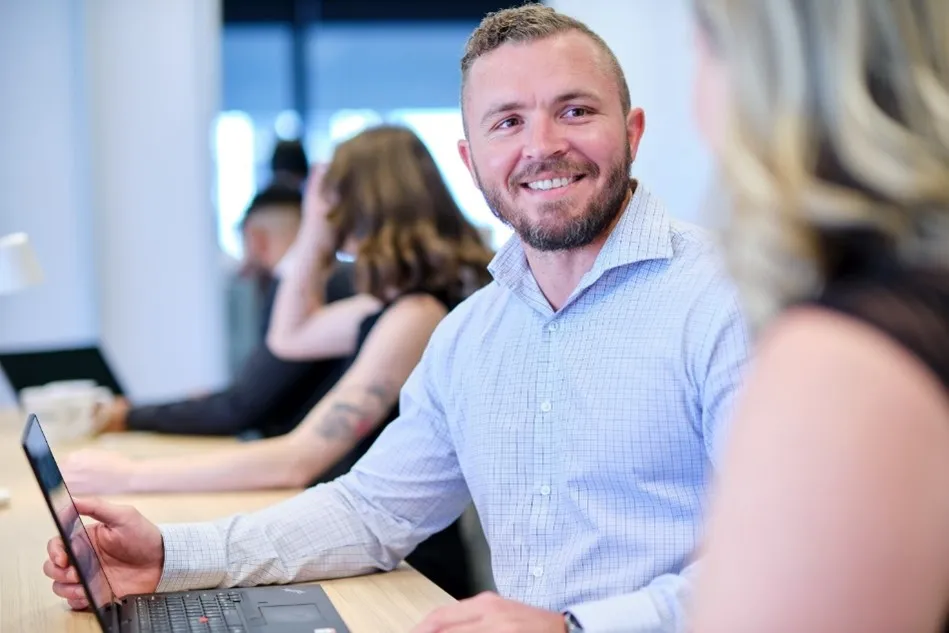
[839, 121]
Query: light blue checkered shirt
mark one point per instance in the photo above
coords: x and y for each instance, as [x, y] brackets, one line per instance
[583, 436]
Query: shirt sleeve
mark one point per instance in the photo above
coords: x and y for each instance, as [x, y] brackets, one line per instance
[407, 487]
[659, 607]
[257, 396]
[719, 362]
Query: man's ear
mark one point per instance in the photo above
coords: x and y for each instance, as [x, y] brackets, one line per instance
[464, 150]
[635, 128]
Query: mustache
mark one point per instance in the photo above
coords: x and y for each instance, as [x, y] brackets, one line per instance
[553, 164]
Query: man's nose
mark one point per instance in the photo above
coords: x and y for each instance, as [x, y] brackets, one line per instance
[545, 140]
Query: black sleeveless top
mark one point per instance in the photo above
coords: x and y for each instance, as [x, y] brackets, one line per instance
[909, 305]
[442, 557]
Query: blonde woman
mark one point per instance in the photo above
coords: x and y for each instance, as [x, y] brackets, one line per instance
[831, 122]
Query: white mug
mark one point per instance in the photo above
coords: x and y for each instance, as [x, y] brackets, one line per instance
[66, 409]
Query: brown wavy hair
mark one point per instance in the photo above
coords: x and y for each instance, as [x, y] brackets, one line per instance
[412, 236]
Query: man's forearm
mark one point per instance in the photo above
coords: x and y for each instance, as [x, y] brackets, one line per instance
[211, 415]
[314, 535]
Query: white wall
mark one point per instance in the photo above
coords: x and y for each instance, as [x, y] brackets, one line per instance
[105, 160]
[653, 41]
[42, 188]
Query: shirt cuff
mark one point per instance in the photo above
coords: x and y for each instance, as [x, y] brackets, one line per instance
[139, 419]
[195, 557]
[628, 613]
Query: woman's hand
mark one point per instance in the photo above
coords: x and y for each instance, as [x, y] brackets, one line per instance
[92, 471]
[316, 233]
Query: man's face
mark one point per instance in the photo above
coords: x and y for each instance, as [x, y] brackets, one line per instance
[548, 143]
[254, 240]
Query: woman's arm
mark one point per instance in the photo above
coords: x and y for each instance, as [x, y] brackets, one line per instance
[353, 408]
[832, 511]
[302, 326]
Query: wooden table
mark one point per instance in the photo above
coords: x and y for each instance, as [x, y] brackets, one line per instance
[381, 603]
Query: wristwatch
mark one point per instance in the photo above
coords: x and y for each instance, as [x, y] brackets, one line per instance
[571, 623]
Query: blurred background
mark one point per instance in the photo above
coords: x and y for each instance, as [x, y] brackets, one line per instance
[134, 134]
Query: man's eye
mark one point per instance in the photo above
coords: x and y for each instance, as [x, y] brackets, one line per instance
[577, 112]
[506, 123]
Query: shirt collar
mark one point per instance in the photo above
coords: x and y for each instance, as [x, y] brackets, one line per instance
[642, 233]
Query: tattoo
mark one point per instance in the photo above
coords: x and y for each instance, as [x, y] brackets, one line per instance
[347, 420]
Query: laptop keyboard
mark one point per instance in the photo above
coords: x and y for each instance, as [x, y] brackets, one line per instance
[192, 613]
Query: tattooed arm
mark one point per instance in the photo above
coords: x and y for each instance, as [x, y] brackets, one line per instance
[357, 404]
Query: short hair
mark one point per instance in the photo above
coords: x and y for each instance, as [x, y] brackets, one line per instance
[529, 23]
[276, 195]
[289, 157]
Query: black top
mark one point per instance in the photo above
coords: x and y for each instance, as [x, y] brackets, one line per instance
[269, 395]
[909, 305]
[442, 558]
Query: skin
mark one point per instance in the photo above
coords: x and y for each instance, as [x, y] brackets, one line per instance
[831, 512]
[550, 108]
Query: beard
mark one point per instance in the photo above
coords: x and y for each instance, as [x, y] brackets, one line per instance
[573, 233]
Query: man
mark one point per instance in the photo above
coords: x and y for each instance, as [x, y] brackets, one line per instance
[578, 399]
[269, 396]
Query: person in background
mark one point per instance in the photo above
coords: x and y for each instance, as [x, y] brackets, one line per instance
[246, 292]
[269, 396]
[830, 121]
[383, 200]
[578, 400]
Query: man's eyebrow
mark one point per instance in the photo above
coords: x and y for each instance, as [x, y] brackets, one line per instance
[575, 95]
[510, 106]
[507, 106]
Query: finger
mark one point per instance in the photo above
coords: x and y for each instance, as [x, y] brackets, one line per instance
[57, 552]
[448, 618]
[474, 627]
[69, 591]
[104, 512]
[78, 605]
[60, 574]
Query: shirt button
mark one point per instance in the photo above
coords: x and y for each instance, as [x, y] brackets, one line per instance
[553, 327]
[545, 490]
[545, 406]
[537, 572]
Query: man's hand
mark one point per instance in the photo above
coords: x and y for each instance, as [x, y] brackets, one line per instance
[111, 418]
[128, 545]
[489, 613]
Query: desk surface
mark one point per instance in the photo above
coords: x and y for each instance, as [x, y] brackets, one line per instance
[380, 603]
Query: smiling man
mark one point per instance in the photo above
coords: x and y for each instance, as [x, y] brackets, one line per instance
[578, 400]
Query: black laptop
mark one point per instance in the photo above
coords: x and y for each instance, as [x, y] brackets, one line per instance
[33, 368]
[273, 609]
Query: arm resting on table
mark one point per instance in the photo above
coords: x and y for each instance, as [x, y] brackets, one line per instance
[353, 409]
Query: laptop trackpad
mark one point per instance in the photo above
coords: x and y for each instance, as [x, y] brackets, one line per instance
[291, 613]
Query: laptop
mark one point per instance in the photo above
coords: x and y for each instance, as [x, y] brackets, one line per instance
[38, 367]
[272, 609]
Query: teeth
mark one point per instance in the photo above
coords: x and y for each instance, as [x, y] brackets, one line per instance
[555, 183]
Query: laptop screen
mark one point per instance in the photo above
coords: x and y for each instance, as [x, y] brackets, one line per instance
[98, 590]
